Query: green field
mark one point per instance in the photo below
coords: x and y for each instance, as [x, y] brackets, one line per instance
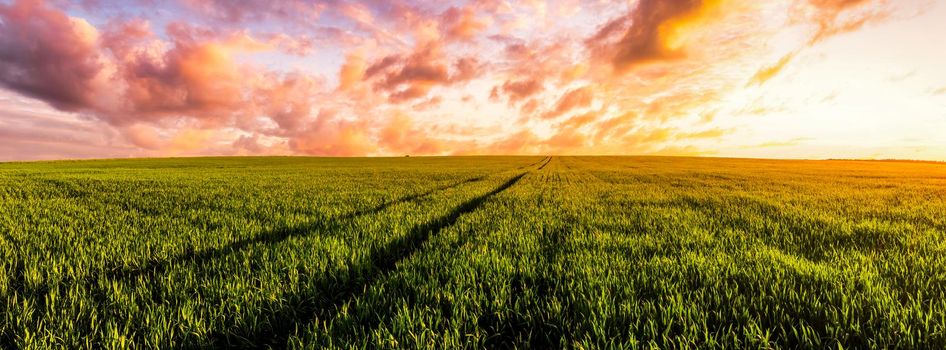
[547, 252]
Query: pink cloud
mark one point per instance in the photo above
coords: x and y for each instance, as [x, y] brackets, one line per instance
[407, 78]
[521, 89]
[48, 55]
[297, 11]
[249, 144]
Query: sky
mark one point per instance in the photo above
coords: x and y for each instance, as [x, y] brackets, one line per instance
[732, 78]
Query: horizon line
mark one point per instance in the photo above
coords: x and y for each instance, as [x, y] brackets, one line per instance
[897, 160]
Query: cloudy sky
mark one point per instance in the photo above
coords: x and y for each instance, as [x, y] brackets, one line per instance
[743, 78]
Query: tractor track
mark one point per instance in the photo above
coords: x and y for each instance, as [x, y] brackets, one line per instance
[331, 294]
[273, 237]
[324, 294]
[99, 293]
[547, 161]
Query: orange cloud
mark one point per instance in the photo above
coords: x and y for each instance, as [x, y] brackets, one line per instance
[654, 30]
[615, 127]
[580, 120]
[839, 16]
[714, 133]
[784, 143]
[400, 135]
[334, 137]
[463, 24]
[767, 73]
[520, 142]
[143, 136]
[352, 71]
[577, 98]
[565, 141]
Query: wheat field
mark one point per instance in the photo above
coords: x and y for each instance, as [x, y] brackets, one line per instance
[471, 252]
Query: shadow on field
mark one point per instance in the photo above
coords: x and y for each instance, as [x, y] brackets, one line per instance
[16, 281]
[331, 291]
[271, 237]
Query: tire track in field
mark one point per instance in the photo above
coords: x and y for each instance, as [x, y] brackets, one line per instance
[335, 294]
[100, 295]
[547, 161]
[533, 164]
[272, 237]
